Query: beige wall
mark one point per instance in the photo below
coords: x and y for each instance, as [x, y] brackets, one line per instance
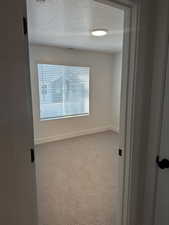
[105, 80]
[77, 181]
[116, 90]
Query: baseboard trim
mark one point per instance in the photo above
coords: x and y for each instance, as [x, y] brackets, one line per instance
[44, 140]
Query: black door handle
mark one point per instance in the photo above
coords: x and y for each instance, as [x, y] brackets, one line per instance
[162, 164]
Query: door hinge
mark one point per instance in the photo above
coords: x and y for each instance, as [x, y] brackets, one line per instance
[120, 152]
[25, 25]
[32, 152]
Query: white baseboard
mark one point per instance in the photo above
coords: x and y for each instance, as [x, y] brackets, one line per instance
[74, 134]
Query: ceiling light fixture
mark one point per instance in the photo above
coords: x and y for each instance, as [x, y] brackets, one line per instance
[99, 32]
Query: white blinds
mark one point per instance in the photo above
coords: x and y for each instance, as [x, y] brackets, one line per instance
[63, 90]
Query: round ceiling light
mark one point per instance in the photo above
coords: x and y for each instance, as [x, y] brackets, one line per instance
[99, 32]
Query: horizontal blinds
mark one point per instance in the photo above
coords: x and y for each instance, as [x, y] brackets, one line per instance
[63, 90]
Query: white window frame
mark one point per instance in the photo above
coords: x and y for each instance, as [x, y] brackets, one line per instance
[38, 93]
[35, 90]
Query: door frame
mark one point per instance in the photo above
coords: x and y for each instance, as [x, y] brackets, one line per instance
[135, 59]
[158, 192]
[160, 71]
[130, 77]
[128, 99]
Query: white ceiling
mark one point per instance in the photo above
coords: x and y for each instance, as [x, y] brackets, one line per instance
[67, 23]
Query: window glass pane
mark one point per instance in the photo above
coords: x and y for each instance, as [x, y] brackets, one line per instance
[63, 90]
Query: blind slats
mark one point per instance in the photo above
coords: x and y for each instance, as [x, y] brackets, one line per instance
[63, 90]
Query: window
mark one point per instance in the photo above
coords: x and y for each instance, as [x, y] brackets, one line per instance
[63, 91]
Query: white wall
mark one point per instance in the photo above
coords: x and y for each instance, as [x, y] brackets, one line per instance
[105, 79]
[116, 90]
[17, 173]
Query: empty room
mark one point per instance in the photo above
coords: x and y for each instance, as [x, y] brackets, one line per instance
[75, 54]
[84, 112]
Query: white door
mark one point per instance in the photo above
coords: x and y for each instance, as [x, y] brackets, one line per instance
[17, 172]
[162, 194]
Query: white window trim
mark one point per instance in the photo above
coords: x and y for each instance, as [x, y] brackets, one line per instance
[36, 62]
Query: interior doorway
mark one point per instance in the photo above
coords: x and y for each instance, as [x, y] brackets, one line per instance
[78, 60]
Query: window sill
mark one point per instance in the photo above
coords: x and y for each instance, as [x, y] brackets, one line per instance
[65, 117]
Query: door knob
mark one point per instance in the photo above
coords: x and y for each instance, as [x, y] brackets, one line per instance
[162, 164]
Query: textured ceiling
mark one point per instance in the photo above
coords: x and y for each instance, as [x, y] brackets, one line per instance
[67, 23]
